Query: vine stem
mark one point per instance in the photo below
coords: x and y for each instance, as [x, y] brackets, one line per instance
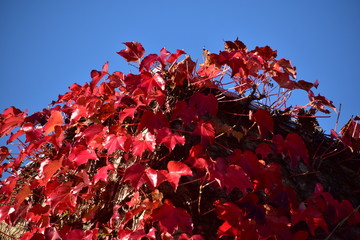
[342, 222]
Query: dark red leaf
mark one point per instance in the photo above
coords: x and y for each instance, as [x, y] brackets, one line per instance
[266, 53]
[204, 104]
[264, 121]
[206, 132]
[264, 150]
[184, 112]
[171, 218]
[287, 67]
[284, 81]
[296, 149]
[304, 85]
[319, 102]
[134, 174]
[133, 52]
[311, 216]
[153, 121]
[235, 177]
[293, 146]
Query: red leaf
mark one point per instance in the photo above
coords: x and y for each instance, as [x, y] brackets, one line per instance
[22, 194]
[296, 149]
[312, 216]
[153, 121]
[173, 57]
[147, 61]
[287, 67]
[248, 162]
[5, 212]
[266, 53]
[169, 139]
[134, 174]
[264, 121]
[137, 174]
[47, 170]
[171, 218]
[60, 196]
[113, 143]
[102, 173]
[149, 82]
[4, 152]
[51, 233]
[96, 75]
[284, 81]
[55, 119]
[81, 155]
[176, 170]
[10, 119]
[75, 235]
[206, 132]
[235, 177]
[143, 142]
[230, 213]
[304, 85]
[264, 150]
[293, 146]
[184, 112]
[133, 52]
[300, 235]
[319, 102]
[204, 104]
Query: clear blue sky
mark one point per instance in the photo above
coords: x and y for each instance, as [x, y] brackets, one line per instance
[45, 46]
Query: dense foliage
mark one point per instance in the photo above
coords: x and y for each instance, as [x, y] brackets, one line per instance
[180, 151]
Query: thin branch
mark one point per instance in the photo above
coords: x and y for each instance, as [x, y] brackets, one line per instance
[342, 222]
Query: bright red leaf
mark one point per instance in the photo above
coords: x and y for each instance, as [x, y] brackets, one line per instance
[97, 75]
[143, 142]
[176, 171]
[47, 169]
[133, 52]
[56, 119]
[113, 142]
[169, 139]
[60, 196]
[102, 173]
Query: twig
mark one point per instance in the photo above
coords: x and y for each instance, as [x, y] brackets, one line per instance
[338, 117]
[342, 222]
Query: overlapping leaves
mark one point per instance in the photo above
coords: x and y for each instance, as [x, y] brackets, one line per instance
[130, 156]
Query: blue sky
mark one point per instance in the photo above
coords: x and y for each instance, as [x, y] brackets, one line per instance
[45, 46]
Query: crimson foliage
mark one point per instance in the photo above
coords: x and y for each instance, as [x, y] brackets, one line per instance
[176, 152]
